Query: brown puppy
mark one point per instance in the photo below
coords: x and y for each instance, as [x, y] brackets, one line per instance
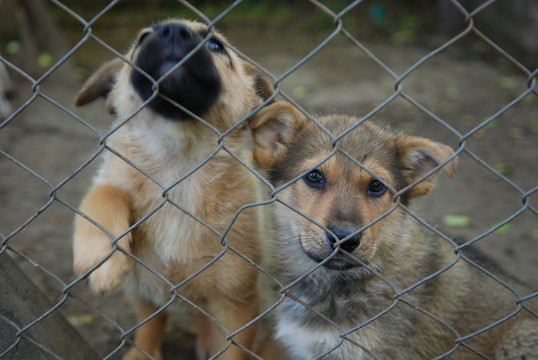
[170, 193]
[355, 253]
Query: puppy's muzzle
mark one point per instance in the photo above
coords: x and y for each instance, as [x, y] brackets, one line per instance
[175, 42]
[337, 261]
[177, 34]
[195, 84]
[351, 243]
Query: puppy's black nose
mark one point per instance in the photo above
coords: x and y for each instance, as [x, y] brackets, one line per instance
[175, 33]
[341, 233]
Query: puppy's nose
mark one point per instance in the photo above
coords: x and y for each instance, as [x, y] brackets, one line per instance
[175, 33]
[341, 233]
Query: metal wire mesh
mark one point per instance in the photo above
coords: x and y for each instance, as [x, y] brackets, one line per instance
[56, 196]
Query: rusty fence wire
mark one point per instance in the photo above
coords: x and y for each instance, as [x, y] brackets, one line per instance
[84, 310]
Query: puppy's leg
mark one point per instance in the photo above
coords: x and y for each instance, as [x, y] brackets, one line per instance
[205, 341]
[234, 314]
[108, 206]
[148, 337]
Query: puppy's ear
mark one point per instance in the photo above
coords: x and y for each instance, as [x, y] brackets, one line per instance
[100, 84]
[418, 156]
[273, 129]
[263, 85]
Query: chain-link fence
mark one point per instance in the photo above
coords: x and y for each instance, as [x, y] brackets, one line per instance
[466, 91]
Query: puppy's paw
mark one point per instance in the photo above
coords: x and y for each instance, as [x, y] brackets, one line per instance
[109, 207]
[109, 274]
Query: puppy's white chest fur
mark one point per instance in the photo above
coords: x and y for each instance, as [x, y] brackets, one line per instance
[306, 344]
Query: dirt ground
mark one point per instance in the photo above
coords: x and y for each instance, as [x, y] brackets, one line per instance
[460, 90]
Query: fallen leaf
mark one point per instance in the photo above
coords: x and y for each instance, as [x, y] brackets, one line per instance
[508, 82]
[80, 319]
[13, 47]
[456, 220]
[45, 60]
[503, 169]
[300, 92]
[506, 228]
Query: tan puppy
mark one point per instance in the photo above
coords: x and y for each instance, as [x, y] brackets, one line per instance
[352, 249]
[170, 193]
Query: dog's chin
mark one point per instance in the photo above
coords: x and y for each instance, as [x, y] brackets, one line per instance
[338, 262]
[166, 66]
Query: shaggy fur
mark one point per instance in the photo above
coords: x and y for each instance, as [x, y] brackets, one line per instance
[340, 226]
[150, 184]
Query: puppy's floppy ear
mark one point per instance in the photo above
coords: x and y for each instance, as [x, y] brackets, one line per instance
[273, 128]
[263, 85]
[418, 156]
[99, 84]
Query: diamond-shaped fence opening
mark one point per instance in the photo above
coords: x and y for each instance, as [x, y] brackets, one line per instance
[445, 70]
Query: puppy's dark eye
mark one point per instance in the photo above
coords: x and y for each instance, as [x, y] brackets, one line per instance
[215, 46]
[315, 179]
[376, 188]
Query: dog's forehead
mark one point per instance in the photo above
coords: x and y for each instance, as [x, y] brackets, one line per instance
[369, 144]
[359, 139]
[338, 150]
[342, 138]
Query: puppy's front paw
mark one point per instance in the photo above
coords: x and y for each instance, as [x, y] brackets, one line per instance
[109, 207]
[109, 274]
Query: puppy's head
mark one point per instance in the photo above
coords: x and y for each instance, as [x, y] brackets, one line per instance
[341, 193]
[179, 62]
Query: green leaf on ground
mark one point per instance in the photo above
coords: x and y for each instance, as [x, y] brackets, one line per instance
[503, 169]
[13, 47]
[80, 319]
[45, 60]
[506, 228]
[457, 220]
[300, 92]
[508, 82]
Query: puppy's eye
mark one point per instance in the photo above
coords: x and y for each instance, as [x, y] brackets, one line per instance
[315, 179]
[215, 46]
[376, 188]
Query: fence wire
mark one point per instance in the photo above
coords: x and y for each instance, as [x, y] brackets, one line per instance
[84, 310]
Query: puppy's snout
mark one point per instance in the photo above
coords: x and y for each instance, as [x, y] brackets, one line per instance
[176, 34]
[342, 233]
